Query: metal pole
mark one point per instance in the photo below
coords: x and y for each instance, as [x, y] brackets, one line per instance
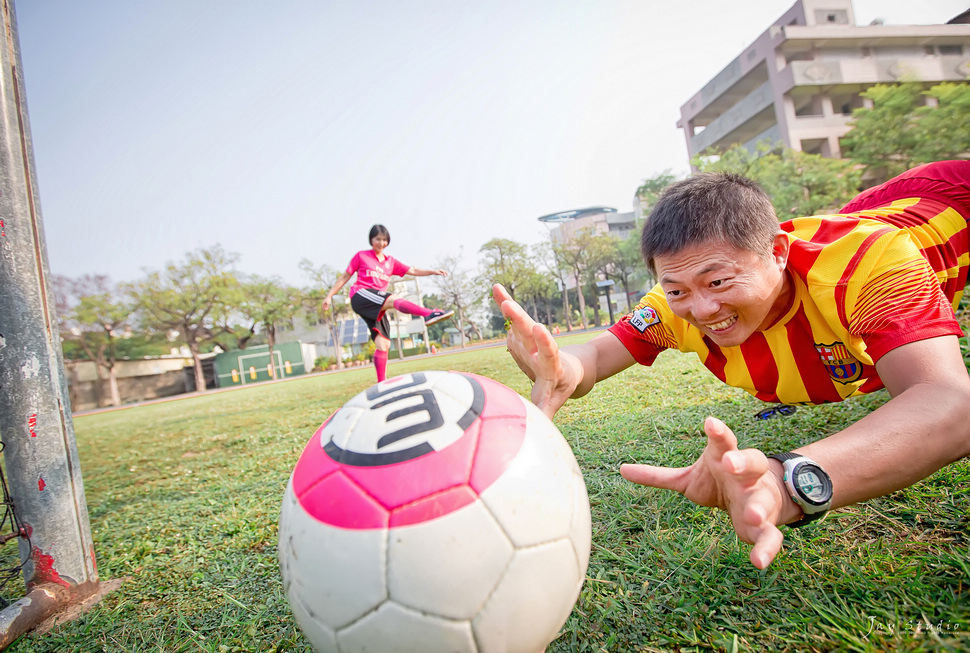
[35, 415]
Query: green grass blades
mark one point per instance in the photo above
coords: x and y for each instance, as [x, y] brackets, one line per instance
[184, 499]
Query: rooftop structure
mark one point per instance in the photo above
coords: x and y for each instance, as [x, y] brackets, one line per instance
[601, 219]
[799, 81]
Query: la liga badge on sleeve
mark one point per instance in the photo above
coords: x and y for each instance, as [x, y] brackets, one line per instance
[644, 317]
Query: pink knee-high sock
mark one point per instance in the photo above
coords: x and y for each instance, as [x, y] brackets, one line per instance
[411, 308]
[380, 362]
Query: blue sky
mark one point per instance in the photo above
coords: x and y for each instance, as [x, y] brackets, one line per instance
[284, 130]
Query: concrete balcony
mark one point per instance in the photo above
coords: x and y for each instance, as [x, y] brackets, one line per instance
[880, 70]
[743, 112]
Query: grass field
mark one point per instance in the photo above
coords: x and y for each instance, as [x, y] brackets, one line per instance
[184, 499]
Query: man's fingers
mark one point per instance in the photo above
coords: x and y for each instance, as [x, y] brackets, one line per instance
[747, 465]
[665, 478]
[720, 438]
[545, 343]
[767, 546]
[516, 314]
[510, 308]
[757, 527]
[500, 294]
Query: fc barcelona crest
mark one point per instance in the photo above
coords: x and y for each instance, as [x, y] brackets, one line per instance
[841, 365]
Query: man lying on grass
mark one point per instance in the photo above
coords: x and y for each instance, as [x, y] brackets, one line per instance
[810, 311]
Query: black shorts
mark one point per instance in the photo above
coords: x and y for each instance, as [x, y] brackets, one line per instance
[368, 303]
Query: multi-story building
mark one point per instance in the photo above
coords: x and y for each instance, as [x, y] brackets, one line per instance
[566, 225]
[799, 81]
[601, 219]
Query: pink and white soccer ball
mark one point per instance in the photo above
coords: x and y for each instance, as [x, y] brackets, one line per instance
[437, 511]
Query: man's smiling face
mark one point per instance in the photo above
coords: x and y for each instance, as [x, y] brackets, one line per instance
[726, 292]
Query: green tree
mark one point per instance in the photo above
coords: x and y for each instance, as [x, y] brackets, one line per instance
[797, 183]
[544, 284]
[603, 250]
[581, 253]
[459, 291]
[534, 286]
[649, 192]
[93, 316]
[504, 261]
[194, 298]
[883, 136]
[736, 159]
[943, 131]
[554, 259]
[908, 125]
[807, 184]
[628, 266]
[267, 303]
[322, 279]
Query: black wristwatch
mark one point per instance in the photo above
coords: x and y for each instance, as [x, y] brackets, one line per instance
[808, 486]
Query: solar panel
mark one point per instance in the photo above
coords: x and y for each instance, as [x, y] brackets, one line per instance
[353, 332]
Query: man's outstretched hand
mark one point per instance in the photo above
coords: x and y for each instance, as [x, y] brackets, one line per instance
[737, 481]
[537, 354]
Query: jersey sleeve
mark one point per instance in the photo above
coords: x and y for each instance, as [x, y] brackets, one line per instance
[354, 264]
[900, 300]
[645, 331]
[400, 269]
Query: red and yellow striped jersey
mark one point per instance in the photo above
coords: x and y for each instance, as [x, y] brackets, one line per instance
[864, 283]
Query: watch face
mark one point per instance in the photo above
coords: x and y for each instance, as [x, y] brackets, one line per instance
[812, 485]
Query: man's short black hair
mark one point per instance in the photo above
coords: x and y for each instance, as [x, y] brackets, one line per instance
[710, 207]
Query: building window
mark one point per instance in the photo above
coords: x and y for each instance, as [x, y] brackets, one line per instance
[896, 52]
[951, 49]
[845, 103]
[799, 56]
[815, 146]
[831, 16]
[839, 54]
[808, 106]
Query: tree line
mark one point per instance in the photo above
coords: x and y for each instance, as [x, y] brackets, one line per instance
[204, 301]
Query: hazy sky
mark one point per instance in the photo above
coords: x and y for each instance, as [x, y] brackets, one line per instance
[284, 130]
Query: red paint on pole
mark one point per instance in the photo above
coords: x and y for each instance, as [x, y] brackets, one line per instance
[41, 484]
[32, 424]
[44, 571]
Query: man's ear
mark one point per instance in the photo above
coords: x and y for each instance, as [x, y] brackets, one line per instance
[780, 250]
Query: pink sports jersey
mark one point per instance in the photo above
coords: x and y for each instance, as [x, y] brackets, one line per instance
[372, 273]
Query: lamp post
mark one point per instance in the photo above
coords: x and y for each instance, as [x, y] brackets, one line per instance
[606, 285]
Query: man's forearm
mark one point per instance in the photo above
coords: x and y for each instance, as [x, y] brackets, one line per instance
[907, 439]
[598, 359]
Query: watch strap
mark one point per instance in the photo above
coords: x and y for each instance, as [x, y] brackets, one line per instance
[808, 518]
